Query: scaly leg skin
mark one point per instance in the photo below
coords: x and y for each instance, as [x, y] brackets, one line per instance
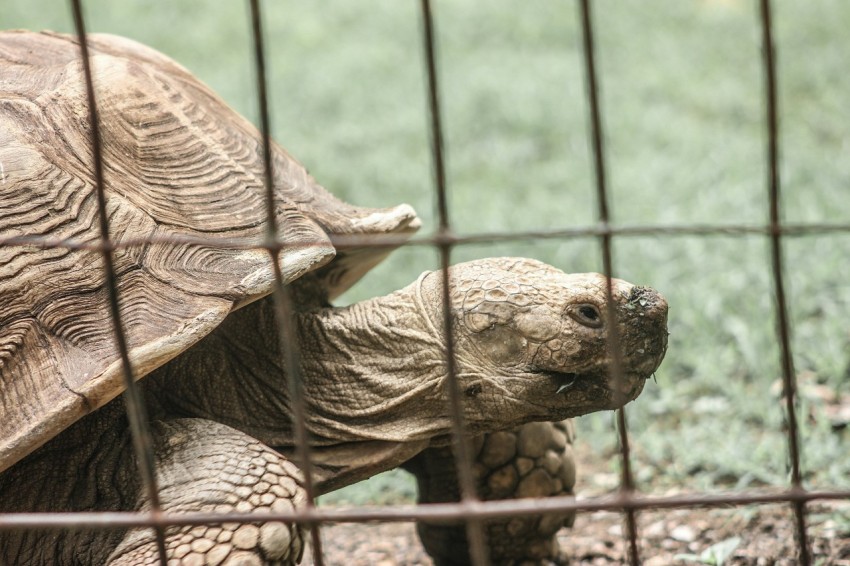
[202, 466]
[535, 460]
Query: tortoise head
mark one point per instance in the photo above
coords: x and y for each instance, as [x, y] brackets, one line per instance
[536, 342]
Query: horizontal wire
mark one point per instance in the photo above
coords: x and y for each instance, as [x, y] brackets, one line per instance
[432, 512]
[345, 241]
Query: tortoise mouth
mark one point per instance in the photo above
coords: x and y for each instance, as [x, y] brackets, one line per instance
[567, 381]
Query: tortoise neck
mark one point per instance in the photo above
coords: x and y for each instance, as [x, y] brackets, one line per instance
[373, 370]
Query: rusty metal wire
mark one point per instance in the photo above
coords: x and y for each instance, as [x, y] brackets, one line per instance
[783, 326]
[469, 508]
[136, 411]
[343, 241]
[460, 440]
[282, 297]
[432, 512]
[627, 484]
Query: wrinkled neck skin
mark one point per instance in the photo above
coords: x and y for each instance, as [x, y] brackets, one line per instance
[373, 371]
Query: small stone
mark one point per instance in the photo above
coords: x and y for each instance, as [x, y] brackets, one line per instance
[499, 448]
[536, 484]
[683, 533]
[193, 559]
[533, 439]
[656, 530]
[246, 536]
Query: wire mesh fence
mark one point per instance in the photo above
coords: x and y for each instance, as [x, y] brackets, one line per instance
[445, 239]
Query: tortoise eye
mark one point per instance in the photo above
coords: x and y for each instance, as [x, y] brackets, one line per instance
[587, 315]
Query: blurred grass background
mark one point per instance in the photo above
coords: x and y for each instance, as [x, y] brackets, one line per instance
[684, 123]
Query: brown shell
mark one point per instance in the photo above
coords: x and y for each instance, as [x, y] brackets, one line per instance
[177, 163]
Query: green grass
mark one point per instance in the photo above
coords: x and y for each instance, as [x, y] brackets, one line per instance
[684, 124]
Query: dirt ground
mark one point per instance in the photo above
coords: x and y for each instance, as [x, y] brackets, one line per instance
[766, 535]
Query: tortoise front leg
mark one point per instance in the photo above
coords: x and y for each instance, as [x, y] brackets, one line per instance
[201, 466]
[205, 466]
[535, 460]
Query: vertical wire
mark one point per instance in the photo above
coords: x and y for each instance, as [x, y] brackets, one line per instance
[135, 406]
[282, 297]
[616, 362]
[462, 452]
[783, 326]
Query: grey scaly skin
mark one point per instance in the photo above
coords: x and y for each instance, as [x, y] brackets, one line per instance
[375, 382]
[534, 460]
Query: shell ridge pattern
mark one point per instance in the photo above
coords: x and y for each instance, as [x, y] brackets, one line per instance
[177, 161]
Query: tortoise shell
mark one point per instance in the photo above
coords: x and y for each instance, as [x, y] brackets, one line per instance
[178, 164]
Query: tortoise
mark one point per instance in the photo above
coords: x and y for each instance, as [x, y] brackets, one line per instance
[178, 163]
